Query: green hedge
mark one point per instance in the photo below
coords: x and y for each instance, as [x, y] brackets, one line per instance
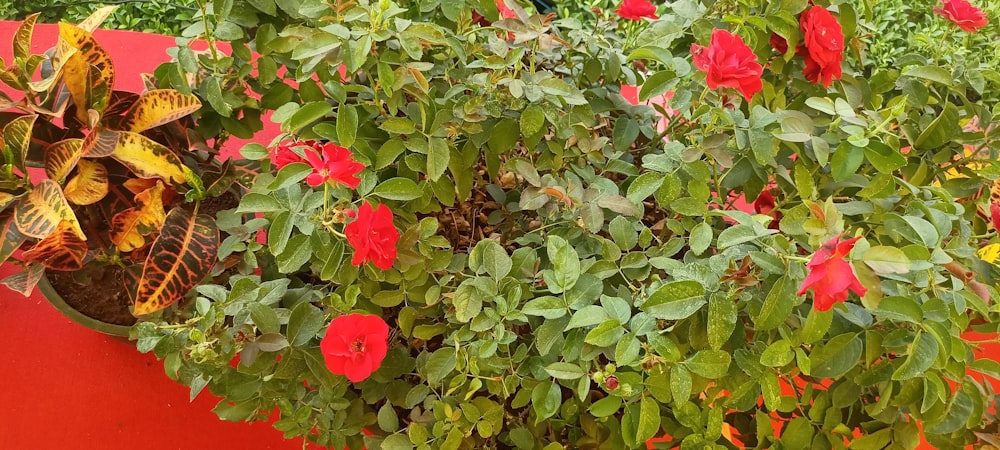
[151, 16]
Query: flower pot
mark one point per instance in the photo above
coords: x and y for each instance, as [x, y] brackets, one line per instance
[45, 287]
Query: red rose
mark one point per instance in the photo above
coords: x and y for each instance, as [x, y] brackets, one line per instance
[778, 43]
[636, 10]
[995, 215]
[373, 236]
[332, 163]
[823, 42]
[764, 203]
[283, 155]
[963, 14]
[355, 345]
[728, 61]
[830, 276]
[505, 11]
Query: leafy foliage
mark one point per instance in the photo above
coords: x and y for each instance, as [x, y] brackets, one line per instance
[150, 16]
[573, 270]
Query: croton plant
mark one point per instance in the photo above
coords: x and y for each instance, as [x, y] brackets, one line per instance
[94, 177]
[478, 232]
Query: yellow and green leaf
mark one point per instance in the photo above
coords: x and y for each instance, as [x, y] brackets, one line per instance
[25, 280]
[38, 214]
[89, 185]
[157, 107]
[22, 37]
[17, 138]
[77, 71]
[96, 18]
[61, 250]
[10, 237]
[62, 53]
[129, 228]
[180, 257]
[147, 158]
[61, 158]
[100, 142]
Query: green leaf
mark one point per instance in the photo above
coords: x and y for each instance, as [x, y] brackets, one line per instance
[388, 420]
[398, 188]
[680, 383]
[347, 125]
[545, 400]
[837, 357]
[644, 185]
[627, 350]
[588, 316]
[899, 309]
[736, 235]
[606, 406]
[625, 132]
[490, 256]
[306, 115]
[721, 320]
[548, 307]
[675, 300]
[932, 73]
[885, 159]
[565, 371]
[701, 238]
[399, 125]
[649, 419]
[777, 306]
[923, 352]
[289, 175]
[304, 323]
[623, 233]
[777, 354]
[439, 365]
[885, 260]
[296, 253]
[605, 334]
[941, 131]
[817, 324]
[395, 441]
[532, 120]
[565, 265]
[254, 202]
[438, 156]
[710, 364]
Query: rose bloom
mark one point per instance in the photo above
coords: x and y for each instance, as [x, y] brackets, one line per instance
[334, 164]
[963, 14]
[355, 345]
[823, 42]
[728, 61]
[505, 11]
[778, 43]
[283, 155]
[830, 276]
[636, 10]
[373, 236]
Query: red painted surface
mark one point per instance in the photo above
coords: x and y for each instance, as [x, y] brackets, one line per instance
[65, 387]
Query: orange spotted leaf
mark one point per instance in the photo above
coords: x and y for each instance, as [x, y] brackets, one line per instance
[61, 250]
[38, 214]
[89, 89]
[129, 227]
[89, 185]
[157, 107]
[25, 280]
[147, 158]
[61, 158]
[180, 257]
[10, 237]
[17, 137]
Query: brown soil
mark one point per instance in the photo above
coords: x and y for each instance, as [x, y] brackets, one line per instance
[102, 296]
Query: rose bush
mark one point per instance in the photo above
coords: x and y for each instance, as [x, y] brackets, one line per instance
[559, 267]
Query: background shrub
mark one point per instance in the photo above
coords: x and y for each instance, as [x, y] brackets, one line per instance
[150, 16]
